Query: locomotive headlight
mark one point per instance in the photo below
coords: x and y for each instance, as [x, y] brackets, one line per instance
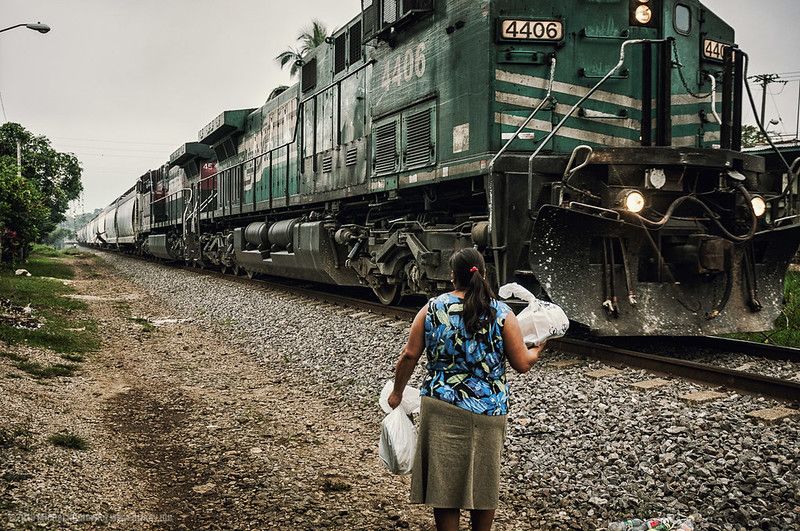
[633, 201]
[644, 14]
[759, 206]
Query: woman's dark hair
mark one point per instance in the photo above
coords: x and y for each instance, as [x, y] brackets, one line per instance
[469, 275]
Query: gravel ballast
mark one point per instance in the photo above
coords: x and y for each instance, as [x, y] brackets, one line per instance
[580, 452]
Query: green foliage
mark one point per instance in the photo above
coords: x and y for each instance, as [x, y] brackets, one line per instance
[22, 213]
[68, 440]
[34, 205]
[58, 236]
[752, 136]
[787, 327]
[310, 37]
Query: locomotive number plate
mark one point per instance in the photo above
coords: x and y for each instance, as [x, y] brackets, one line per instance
[714, 50]
[531, 30]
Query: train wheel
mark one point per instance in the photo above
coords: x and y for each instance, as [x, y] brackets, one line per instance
[389, 295]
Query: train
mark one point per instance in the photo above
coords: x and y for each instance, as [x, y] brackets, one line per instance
[590, 149]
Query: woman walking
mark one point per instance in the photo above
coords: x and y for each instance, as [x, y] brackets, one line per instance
[467, 336]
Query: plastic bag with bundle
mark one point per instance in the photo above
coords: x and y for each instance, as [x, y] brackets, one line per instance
[540, 321]
[398, 435]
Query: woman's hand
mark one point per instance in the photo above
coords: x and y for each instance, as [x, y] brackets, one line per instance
[395, 399]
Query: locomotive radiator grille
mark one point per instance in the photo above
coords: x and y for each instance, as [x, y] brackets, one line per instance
[418, 140]
[386, 148]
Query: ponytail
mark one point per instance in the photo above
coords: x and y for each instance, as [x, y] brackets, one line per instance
[469, 274]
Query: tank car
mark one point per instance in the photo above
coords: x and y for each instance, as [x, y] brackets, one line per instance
[590, 148]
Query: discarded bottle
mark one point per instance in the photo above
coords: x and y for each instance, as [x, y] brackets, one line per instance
[660, 524]
[688, 525]
[628, 525]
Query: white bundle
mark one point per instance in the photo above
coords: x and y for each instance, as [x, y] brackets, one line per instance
[540, 321]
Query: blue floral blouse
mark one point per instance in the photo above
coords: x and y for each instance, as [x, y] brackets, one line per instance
[468, 372]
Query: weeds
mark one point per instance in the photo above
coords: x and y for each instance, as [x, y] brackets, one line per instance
[330, 485]
[146, 325]
[42, 372]
[11, 356]
[68, 440]
[787, 327]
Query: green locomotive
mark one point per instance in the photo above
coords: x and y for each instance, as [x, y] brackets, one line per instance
[591, 149]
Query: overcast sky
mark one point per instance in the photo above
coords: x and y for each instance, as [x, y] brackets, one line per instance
[123, 83]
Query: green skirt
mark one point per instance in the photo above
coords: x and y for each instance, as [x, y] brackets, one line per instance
[457, 464]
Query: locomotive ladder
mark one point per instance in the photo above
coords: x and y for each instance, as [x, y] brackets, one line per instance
[575, 107]
[490, 188]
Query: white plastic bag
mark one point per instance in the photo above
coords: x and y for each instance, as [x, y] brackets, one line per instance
[411, 399]
[540, 321]
[398, 435]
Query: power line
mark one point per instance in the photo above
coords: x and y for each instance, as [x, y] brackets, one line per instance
[111, 141]
[765, 80]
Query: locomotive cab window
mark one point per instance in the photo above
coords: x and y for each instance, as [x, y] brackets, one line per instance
[683, 19]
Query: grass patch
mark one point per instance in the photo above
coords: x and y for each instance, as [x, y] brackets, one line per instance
[43, 372]
[68, 440]
[58, 313]
[335, 486]
[11, 356]
[44, 250]
[787, 327]
[146, 325]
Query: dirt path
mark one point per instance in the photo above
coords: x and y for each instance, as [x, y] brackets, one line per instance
[187, 433]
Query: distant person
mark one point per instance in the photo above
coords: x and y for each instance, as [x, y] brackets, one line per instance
[467, 335]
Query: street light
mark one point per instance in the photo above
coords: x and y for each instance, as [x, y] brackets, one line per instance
[41, 28]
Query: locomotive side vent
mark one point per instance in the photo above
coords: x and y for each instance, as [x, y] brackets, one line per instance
[382, 18]
[355, 43]
[419, 148]
[327, 164]
[352, 156]
[390, 11]
[309, 75]
[340, 53]
[386, 148]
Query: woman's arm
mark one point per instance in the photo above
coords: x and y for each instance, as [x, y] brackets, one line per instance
[409, 357]
[519, 356]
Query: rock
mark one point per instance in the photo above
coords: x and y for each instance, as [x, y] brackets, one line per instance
[22, 273]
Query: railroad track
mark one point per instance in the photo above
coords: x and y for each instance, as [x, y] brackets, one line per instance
[607, 350]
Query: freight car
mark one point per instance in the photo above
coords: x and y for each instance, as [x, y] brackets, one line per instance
[590, 148]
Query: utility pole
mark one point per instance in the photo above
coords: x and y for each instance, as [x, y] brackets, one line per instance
[765, 80]
[19, 160]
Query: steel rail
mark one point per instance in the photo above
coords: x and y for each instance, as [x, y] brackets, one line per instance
[741, 381]
[785, 390]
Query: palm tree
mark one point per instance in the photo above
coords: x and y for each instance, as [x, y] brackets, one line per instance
[312, 36]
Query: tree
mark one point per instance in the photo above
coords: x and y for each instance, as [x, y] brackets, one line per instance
[22, 213]
[33, 204]
[752, 136]
[311, 36]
